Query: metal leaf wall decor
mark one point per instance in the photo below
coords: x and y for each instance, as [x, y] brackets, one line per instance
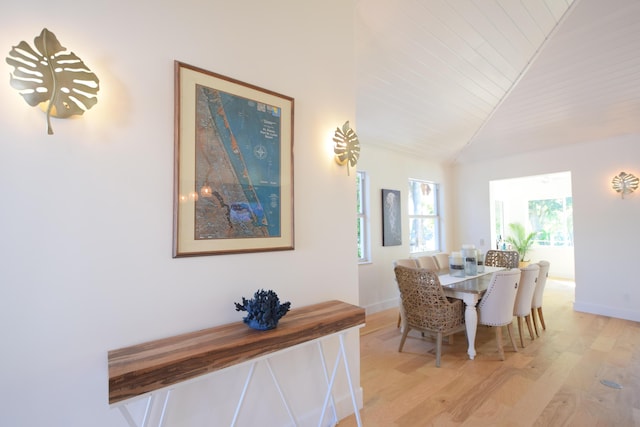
[625, 183]
[347, 147]
[49, 76]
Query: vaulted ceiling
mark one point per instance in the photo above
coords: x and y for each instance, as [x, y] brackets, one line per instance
[466, 80]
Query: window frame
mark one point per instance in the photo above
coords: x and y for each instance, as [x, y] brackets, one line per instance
[436, 216]
[563, 223]
[363, 235]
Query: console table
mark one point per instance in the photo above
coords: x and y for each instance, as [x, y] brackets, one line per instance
[152, 369]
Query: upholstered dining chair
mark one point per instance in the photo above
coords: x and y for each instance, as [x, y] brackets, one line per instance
[427, 309]
[496, 306]
[506, 259]
[405, 262]
[524, 296]
[536, 302]
[442, 259]
[427, 262]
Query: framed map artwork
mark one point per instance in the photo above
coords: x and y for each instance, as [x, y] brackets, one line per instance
[233, 167]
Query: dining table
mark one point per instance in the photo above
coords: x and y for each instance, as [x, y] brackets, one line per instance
[469, 289]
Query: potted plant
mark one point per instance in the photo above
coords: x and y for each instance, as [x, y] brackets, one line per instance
[521, 241]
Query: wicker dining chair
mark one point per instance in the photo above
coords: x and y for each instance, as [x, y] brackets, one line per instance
[496, 306]
[405, 262]
[524, 297]
[426, 307]
[536, 302]
[506, 259]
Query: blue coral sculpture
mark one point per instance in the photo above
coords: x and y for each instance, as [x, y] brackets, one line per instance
[264, 310]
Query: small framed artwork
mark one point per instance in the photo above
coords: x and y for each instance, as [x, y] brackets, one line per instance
[233, 166]
[391, 220]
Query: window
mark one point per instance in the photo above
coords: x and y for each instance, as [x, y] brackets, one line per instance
[424, 219]
[553, 220]
[363, 218]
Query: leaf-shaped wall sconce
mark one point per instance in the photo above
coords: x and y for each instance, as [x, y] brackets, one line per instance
[49, 76]
[347, 148]
[625, 183]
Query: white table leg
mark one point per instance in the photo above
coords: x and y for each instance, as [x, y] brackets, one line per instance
[342, 354]
[348, 371]
[471, 322]
[323, 360]
[150, 411]
[244, 392]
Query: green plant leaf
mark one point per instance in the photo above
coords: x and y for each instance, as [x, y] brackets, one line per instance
[520, 240]
[48, 74]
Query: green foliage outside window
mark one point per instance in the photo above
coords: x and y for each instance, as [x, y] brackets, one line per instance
[553, 219]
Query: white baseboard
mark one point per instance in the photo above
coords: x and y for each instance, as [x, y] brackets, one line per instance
[607, 311]
[381, 306]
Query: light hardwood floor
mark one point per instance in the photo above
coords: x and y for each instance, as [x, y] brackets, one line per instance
[554, 381]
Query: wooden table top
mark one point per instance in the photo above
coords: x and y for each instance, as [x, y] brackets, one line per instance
[469, 284]
[149, 366]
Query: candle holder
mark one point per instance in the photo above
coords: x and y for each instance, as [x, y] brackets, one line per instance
[456, 265]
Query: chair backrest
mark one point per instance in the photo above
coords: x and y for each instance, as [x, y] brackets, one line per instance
[526, 288]
[442, 259]
[425, 304]
[496, 306]
[406, 262]
[542, 281]
[506, 259]
[427, 262]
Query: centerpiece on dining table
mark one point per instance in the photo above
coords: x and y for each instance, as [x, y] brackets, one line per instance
[469, 261]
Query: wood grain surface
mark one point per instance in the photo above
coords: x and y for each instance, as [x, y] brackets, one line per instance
[554, 381]
[145, 367]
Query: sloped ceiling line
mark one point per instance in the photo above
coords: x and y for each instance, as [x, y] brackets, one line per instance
[535, 55]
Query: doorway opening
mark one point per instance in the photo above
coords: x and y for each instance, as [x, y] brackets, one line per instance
[542, 204]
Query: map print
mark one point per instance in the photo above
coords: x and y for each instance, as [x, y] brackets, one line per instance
[237, 168]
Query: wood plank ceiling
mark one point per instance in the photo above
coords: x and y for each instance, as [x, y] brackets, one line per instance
[467, 80]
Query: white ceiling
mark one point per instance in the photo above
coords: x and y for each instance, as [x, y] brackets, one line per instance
[465, 80]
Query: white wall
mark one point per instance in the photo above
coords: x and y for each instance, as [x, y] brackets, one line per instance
[605, 226]
[392, 170]
[86, 218]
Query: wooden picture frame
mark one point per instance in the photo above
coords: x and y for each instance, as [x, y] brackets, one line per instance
[391, 218]
[233, 166]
